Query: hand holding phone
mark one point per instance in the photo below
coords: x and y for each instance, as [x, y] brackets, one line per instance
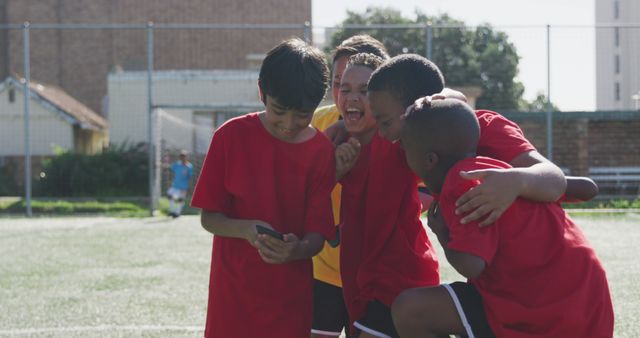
[266, 231]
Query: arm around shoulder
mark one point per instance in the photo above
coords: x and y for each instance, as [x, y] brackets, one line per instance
[540, 179]
[580, 189]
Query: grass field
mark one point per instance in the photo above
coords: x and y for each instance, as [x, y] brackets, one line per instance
[148, 277]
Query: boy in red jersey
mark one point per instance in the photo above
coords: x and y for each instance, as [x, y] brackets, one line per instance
[329, 311]
[531, 274]
[269, 169]
[385, 248]
[405, 78]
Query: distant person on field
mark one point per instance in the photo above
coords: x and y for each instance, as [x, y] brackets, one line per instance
[182, 171]
[531, 274]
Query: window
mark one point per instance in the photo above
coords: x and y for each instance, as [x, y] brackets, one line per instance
[12, 95]
[616, 9]
[617, 91]
[616, 36]
[617, 64]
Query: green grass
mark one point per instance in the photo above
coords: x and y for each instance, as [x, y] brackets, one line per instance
[138, 207]
[605, 204]
[131, 207]
[105, 276]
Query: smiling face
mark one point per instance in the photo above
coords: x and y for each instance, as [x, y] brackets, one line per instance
[284, 123]
[387, 111]
[353, 103]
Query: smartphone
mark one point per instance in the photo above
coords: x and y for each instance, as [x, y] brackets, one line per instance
[270, 232]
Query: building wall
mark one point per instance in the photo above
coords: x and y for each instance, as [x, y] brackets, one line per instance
[79, 60]
[46, 128]
[215, 91]
[4, 52]
[586, 139]
[88, 141]
[627, 51]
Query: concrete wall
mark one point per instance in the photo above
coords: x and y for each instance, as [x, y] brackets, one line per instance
[79, 60]
[586, 139]
[627, 51]
[47, 129]
[217, 91]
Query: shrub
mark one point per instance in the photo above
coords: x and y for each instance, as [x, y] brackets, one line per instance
[117, 171]
[8, 186]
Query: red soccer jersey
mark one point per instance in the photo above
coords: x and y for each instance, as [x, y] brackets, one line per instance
[384, 247]
[542, 278]
[249, 174]
[499, 137]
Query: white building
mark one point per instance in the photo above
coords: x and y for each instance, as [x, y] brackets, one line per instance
[191, 104]
[618, 54]
[56, 120]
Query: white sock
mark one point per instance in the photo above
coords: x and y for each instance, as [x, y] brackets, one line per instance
[172, 206]
[179, 208]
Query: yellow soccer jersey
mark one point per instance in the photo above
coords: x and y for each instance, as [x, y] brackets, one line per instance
[326, 264]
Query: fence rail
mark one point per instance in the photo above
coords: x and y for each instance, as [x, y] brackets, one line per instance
[100, 51]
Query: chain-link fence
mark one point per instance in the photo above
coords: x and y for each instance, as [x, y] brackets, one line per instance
[146, 92]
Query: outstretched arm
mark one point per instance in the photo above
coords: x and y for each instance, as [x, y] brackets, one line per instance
[580, 189]
[532, 177]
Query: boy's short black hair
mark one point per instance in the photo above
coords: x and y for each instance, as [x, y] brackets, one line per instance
[448, 127]
[368, 60]
[407, 77]
[361, 43]
[295, 74]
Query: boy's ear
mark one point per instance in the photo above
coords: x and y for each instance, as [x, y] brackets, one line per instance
[261, 94]
[431, 160]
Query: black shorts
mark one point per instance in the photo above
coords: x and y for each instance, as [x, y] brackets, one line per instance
[329, 312]
[468, 303]
[377, 321]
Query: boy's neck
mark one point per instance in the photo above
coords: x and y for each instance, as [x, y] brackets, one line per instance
[441, 172]
[365, 138]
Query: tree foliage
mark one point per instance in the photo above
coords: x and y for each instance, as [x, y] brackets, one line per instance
[539, 104]
[480, 56]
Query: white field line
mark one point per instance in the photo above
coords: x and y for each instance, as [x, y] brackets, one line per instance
[603, 211]
[99, 328]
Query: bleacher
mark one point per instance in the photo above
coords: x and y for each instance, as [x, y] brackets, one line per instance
[617, 182]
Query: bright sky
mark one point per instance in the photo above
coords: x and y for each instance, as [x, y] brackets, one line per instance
[572, 48]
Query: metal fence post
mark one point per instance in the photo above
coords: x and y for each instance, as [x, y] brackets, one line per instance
[307, 32]
[429, 40]
[150, 139]
[549, 106]
[27, 133]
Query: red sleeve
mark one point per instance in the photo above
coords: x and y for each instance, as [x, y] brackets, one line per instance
[319, 213]
[500, 138]
[468, 238]
[210, 192]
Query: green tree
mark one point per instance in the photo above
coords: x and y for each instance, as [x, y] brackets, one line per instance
[478, 56]
[539, 104]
